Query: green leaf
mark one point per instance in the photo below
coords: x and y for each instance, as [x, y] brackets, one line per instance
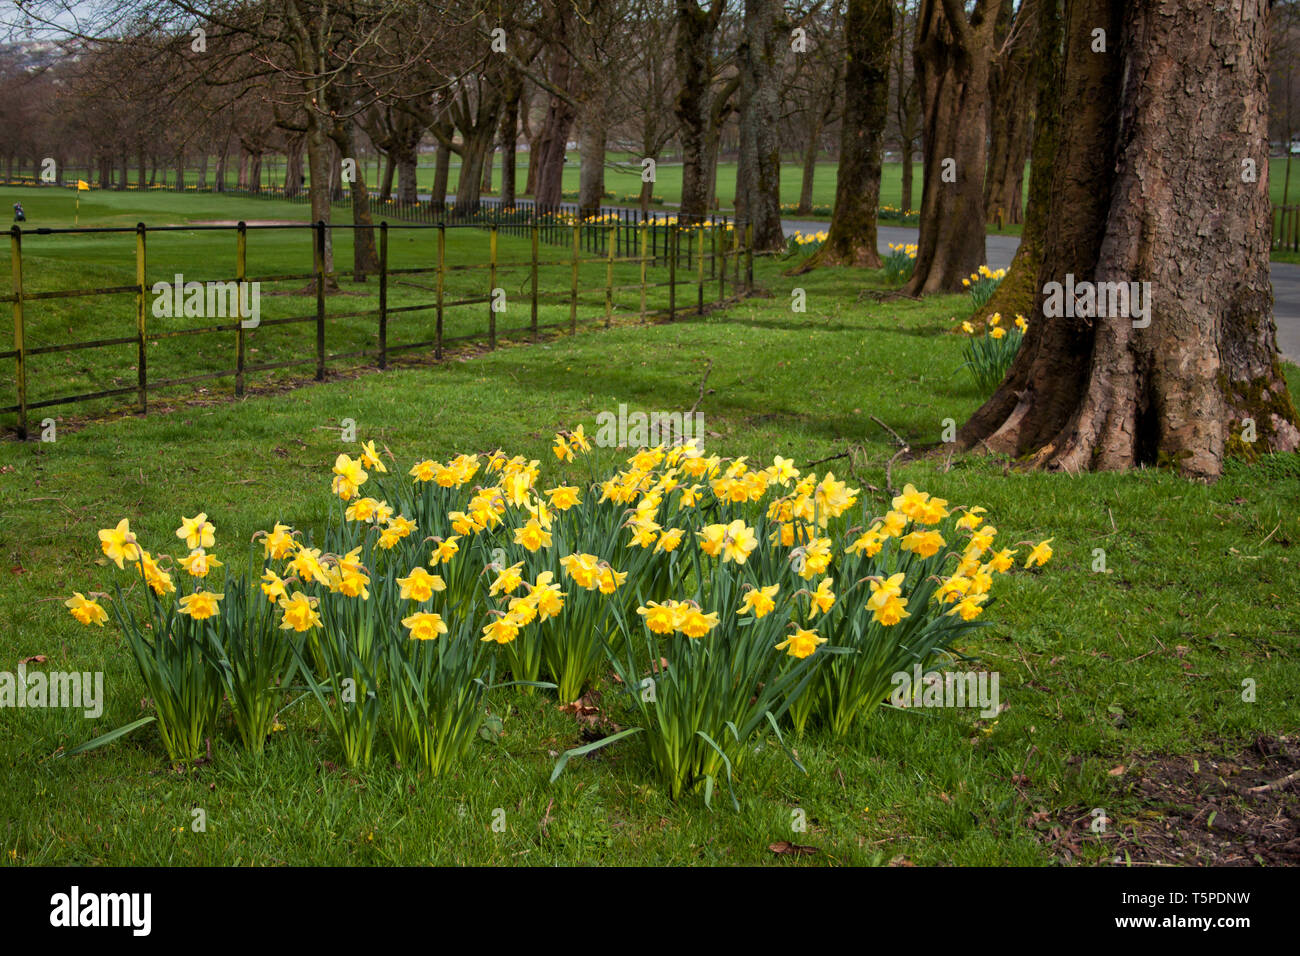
[108, 738]
[589, 748]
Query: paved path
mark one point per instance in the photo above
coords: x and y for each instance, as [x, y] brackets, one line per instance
[1000, 249]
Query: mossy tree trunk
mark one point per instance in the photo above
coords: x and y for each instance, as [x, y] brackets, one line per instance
[953, 59]
[1011, 92]
[1152, 184]
[851, 240]
[693, 58]
[758, 177]
[1015, 294]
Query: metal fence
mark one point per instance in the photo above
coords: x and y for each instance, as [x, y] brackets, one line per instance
[695, 255]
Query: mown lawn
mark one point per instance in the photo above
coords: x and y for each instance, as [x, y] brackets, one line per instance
[1100, 672]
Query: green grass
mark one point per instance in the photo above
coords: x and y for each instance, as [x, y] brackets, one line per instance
[1097, 669]
[83, 261]
[623, 178]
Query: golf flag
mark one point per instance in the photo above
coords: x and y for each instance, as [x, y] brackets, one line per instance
[81, 184]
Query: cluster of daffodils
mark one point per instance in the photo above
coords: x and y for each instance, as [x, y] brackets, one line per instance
[900, 261]
[432, 580]
[806, 241]
[990, 349]
[982, 283]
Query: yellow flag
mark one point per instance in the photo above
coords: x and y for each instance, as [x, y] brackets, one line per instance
[82, 184]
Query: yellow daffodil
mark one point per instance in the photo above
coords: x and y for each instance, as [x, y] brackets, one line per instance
[802, 643]
[201, 605]
[299, 613]
[759, 601]
[424, 626]
[197, 532]
[86, 610]
[119, 543]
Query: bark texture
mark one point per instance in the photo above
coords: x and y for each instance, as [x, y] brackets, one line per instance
[1148, 187]
[953, 59]
[851, 239]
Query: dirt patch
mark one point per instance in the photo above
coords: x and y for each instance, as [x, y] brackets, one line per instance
[1207, 810]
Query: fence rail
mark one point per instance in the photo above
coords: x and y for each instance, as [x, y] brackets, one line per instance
[692, 255]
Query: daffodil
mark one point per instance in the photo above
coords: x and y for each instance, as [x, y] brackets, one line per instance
[86, 610]
[802, 643]
[200, 605]
[197, 532]
[119, 543]
[299, 613]
[759, 601]
[1041, 554]
[424, 626]
[823, 599]
[419, 585]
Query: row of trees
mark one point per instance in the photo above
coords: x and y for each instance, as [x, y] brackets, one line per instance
[651, 78]
[1148, 122]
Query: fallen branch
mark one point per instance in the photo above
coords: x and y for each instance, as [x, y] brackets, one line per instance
[707, 369]
[1279, 784]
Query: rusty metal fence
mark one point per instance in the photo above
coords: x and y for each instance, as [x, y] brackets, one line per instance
[692, 255]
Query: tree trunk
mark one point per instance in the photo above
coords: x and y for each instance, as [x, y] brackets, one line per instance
[851, 240]
[809, 169]
[1011, 89]
[365, 257]
[952, 65]
[692, 54]
[441, 174]
[293, 167]
[319, 166]
[759, 188]
[509, 137]
[489, 160]
[407, 162]
[1015, 294]
[469, 185]
[1155, 131]
[591, 175]
[386, 180]
[549, 187]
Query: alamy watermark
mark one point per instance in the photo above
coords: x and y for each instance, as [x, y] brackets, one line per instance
[946, 689]
[209, 300]
[647, 430]
[1102, 300]
[55, 689]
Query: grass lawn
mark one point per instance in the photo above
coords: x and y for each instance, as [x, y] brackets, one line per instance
[1106, 676]
[623, 178]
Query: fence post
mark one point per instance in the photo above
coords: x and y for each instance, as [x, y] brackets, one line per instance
[16, 251]
[643, 268]
[735, 255]
[442, 268]
[241, 262]
[535, 237]
[573, 291]
[610, 242]
[720, 251]
[142, 382]
[672, 242]
[383, 294]
[749, 257]
[699, 277]
[320, 299]
[492, 286]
